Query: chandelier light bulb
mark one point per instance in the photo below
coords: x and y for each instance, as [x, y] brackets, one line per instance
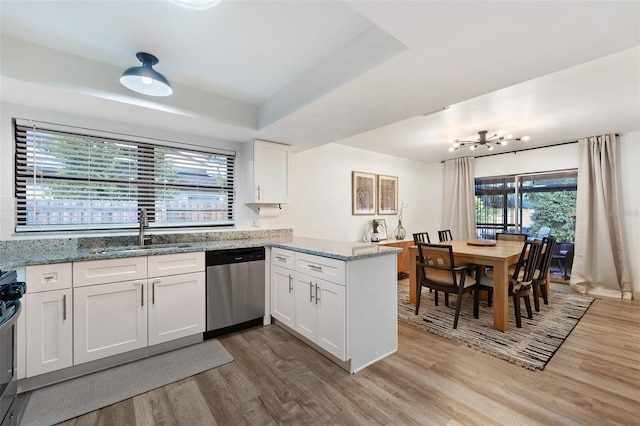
[451, 149]
[473, 147]
[503, 142]
[490, 147]
[526, 138]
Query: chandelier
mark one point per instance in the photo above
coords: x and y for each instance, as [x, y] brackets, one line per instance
[484, 141]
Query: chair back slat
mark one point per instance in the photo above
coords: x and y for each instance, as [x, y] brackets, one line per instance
[445, 235]
[527, 262]
[548, 245]
[421, 237]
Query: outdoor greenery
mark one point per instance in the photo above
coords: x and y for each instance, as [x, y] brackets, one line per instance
[557, 210]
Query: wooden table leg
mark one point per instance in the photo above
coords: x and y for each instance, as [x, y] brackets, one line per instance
[500, 296]
[413, 273]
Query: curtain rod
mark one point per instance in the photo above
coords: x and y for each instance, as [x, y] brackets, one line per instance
[526, 149]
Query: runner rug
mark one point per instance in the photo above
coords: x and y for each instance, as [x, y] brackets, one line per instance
[72, 398]
[531, 346]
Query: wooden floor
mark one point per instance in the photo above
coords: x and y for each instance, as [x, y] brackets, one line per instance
[594, 379]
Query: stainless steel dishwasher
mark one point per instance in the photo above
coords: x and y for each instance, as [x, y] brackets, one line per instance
[235, 290]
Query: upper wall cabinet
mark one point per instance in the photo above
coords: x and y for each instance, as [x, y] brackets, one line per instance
[268, 173]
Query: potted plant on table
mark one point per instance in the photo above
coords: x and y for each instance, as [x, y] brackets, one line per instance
[375, 225]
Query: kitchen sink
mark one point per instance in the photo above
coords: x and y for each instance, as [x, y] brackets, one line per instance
[134, 249]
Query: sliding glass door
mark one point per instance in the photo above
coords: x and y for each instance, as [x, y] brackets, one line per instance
[538, 205]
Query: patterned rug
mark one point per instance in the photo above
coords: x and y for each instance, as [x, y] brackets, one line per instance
[531, 346]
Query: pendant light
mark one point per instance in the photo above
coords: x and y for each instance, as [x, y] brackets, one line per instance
[145, 79]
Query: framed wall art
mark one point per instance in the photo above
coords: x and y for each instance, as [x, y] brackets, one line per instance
[363, 193]
[387, 194]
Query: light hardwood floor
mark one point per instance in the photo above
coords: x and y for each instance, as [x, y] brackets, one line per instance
[594, 379]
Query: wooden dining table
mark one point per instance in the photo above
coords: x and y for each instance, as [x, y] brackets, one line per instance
[499, 256]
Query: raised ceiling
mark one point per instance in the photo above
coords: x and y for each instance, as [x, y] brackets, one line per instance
[369, 74]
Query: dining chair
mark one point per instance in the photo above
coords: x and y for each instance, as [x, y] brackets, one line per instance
[445, 235]
[521, 281]
[504, 236]
[421, 237]
[542, 273]
[437, 271]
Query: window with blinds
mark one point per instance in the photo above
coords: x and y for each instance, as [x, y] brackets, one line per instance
[71, 179]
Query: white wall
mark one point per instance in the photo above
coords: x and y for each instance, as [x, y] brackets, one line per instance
[322, 192]
[565, 157]
[245, 217]
[561, 157]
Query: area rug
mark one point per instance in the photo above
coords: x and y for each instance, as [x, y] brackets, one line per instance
[72, 398]
[531, 346]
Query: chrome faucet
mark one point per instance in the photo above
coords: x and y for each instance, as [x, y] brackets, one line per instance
[143, 220]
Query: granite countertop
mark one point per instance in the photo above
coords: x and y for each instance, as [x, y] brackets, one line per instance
[334, 249]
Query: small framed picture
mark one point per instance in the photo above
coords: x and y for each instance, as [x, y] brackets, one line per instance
[387, 194]
[363, 193]
[382, 230]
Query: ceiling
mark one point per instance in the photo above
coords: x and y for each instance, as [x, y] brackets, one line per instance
[369, 74]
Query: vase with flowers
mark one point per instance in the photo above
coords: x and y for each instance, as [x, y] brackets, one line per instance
[400, 232]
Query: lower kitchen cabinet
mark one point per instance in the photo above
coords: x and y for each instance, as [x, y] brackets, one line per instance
[176, 306]
[109, 319]
[49, 331]
[282, 295]
[346, 309]
[320, 313]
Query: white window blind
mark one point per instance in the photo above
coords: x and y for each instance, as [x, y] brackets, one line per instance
[70, 178]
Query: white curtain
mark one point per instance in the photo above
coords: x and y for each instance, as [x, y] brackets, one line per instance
[599, 265]
[459, 198]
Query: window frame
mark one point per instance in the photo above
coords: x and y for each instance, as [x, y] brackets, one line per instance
[144, 180]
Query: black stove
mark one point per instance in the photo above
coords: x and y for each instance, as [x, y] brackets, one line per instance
[10, 291]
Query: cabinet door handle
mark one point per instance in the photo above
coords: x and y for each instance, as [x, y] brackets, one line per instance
[142, 295]
[48, 278]
[310, 291]
[64, 307]
[315, 267]
[141, 284]
[258, 198]
[153, 291]
[317, 298]
[290, 283]
[281, 258]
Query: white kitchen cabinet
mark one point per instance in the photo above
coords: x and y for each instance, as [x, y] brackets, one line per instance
[176, 306]
[282, 295]
[109, 271]
[282, 286]
[347, 309]
[109, 319]
[320, 313]
[268, 173]
[48, 318]
[49, 331]
[115, 317]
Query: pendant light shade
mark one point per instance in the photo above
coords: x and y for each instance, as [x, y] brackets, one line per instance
[145, 79]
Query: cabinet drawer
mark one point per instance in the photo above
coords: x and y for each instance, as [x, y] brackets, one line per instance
[48, 277]
[321, 267]
[283, 258]
[109, 271]
[174, 264]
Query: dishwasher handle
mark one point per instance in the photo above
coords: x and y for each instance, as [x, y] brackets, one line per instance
[228, 256]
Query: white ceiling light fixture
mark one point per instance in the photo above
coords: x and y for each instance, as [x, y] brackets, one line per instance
[484, 141]
[144, 79]
[197, 4]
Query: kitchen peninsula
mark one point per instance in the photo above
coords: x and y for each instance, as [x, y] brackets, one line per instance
[354, 283]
